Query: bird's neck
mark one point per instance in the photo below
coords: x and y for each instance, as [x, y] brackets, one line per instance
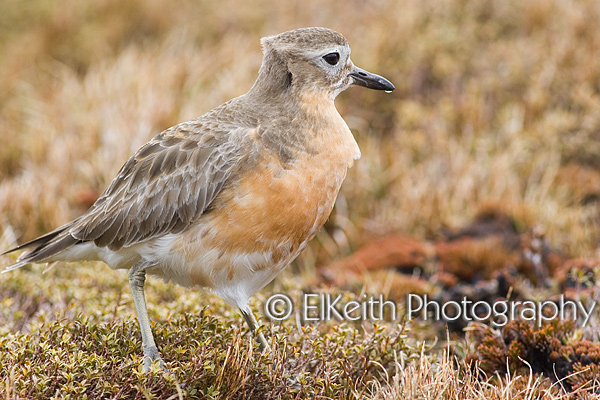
[276, 84]
[274, 79]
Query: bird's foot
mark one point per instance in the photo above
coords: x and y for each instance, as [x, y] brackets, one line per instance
[152, 355]
[263, 345]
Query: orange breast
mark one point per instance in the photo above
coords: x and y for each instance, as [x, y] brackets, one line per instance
[279, 209]
[274, 209]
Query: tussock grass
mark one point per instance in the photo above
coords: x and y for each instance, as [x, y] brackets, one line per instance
[444, 379]
[496, 102]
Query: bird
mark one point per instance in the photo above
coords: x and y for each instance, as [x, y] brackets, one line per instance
[226, 201]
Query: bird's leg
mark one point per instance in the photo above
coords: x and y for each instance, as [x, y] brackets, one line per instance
[137, 278]
[251, 321]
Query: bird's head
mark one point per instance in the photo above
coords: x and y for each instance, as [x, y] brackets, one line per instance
[313, 59]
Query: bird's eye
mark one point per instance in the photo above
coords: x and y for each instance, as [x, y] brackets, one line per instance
[332, 58]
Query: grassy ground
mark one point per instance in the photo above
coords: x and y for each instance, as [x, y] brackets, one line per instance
[497, 102]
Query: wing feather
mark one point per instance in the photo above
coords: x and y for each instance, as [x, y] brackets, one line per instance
[163, 188]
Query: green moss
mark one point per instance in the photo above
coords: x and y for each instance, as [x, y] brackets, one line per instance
[208, 355]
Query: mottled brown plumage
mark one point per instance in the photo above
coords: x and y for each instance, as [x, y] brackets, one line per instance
[227, 200]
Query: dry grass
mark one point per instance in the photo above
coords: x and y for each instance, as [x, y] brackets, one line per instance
[445, 380]
[496, 101]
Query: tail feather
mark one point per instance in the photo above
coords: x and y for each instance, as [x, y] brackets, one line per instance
[37, 242]
[44, 247]
[49, 249]
[14, 266]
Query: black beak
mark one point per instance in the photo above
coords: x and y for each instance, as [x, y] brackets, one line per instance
[371, 81]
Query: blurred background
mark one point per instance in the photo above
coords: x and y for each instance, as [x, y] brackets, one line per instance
[479, 179]
[496, 115]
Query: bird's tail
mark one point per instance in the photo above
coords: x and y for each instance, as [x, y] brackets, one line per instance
[44, 247]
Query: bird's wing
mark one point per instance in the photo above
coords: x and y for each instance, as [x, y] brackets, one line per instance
[164, 187]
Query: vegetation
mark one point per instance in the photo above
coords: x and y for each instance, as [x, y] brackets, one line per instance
[495, 123]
